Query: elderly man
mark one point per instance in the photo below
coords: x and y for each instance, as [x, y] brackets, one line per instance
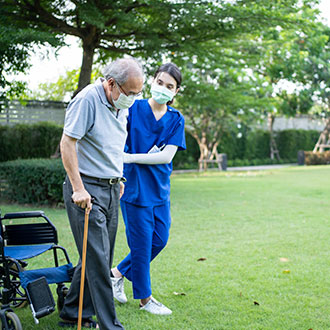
[92, 147]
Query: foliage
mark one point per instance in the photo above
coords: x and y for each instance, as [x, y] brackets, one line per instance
[40, 141]
[259, 162]
[215, 99]
[187, 158]
[257, 144]
[317, 158]
[291, 140]
[251, 148]
[232, 83]
[29, 140]
[303, 60]
[151, 29]
[34, 181]
[17, 39]
[309, 68]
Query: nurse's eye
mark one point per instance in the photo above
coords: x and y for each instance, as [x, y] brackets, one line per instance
[170, 87]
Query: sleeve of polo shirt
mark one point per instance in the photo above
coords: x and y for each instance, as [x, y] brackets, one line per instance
[79, 118]
[178, 137]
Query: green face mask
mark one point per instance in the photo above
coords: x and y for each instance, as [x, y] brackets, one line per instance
[161, 94]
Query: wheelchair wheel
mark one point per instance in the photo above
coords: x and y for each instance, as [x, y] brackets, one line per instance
[16, 282]
[13, 321]
[19, 298]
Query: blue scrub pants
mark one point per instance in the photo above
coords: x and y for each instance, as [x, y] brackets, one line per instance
[147, 231]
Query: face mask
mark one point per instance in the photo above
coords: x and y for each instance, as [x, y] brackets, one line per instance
[161, 94]
[123, 101]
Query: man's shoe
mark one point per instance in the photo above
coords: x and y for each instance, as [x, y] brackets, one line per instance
[155, 307]
[118, 289]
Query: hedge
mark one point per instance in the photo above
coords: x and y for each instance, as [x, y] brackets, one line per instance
[23, 141]
[252, 147]
[291, 140]
[40, 140]
[33, 181]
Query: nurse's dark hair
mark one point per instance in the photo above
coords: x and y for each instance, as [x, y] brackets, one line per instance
[172, 70]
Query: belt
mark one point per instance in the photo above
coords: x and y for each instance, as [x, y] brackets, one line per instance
[109, 181]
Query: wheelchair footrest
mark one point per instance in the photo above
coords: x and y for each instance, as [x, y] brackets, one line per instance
[40, 297]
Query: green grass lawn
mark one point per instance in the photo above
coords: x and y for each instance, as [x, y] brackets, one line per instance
[264, 238]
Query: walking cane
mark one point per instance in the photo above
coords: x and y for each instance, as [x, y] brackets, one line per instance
[83, 267]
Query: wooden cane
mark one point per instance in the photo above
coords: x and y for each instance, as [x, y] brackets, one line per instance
[83, 268]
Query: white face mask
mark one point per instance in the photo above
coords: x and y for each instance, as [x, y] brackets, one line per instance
[161, 94]
[123, 101]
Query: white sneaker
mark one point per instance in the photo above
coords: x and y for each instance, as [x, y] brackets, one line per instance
[155, 307]
[118, 289]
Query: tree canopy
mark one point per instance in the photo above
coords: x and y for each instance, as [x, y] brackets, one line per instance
[16, 42]
[144, 28]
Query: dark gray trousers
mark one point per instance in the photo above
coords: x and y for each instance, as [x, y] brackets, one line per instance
[102, 229]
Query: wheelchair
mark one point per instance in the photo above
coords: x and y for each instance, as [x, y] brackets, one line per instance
[26, 235]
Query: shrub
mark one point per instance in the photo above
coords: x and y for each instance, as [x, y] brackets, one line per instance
[24, 141]
[33, 181]
[258, 161]
[317, 158]
[290, 141]
[232, 145]
[188, 158]
[257, 145]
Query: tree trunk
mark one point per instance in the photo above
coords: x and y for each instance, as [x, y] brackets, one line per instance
[208, 152]
[324, 139]
[272, 143]
[202, 165]
[90, 42]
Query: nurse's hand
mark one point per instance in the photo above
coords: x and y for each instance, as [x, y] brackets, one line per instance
[122, 188]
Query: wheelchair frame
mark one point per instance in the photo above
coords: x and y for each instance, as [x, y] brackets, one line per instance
[43, 235]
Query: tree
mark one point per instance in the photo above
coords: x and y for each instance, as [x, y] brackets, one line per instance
[16, 42]
[144, 28]
[214, 99]
[300, 57]
[310, 71]
[233, 83]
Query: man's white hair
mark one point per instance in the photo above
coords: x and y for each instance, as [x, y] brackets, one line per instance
[122, 68]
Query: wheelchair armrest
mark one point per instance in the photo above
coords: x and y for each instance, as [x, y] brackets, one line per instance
[20, 215]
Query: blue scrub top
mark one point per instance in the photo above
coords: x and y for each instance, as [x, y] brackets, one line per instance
[149, 185]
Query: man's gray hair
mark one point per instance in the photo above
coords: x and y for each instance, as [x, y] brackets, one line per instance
[122, 68]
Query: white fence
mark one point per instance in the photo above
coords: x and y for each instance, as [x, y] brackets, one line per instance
[35, 111]
[32, 112]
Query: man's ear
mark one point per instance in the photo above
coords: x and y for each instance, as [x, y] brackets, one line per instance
[111, 83]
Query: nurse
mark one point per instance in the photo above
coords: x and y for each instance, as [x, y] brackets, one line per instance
[155, 133]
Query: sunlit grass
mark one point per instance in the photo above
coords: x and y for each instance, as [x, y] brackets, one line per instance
[263, 238]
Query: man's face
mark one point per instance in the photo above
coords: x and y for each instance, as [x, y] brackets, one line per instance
[133, 86]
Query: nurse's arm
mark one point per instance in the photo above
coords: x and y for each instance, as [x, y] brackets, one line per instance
[163, 157]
